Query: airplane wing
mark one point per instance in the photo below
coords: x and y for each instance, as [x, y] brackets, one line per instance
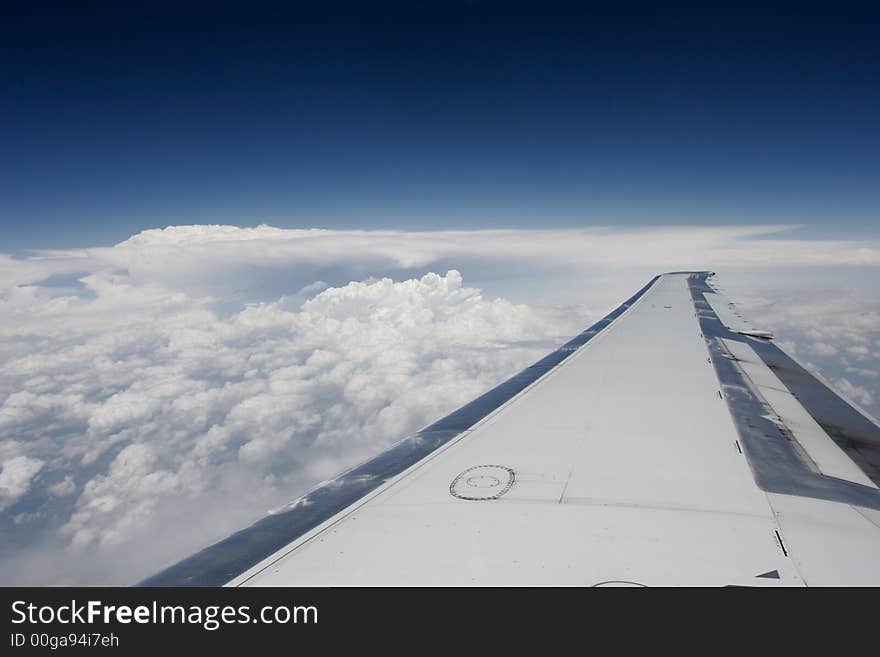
[671, 443]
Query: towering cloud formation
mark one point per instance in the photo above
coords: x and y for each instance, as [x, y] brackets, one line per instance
[138, 424]
[159, 394]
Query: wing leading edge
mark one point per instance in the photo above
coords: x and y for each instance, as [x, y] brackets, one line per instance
[666, 444]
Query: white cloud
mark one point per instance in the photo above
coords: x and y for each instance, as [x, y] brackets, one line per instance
[182, 423]
[822, 349]
[860, 371]
[63, 488]
[860, 351]
[15, 478]
[854, 392]
[181, 255]
[181, 383]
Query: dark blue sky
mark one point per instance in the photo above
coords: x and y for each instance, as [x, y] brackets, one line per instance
[435, 115]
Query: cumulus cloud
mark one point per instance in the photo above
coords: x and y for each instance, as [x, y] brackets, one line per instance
[161, 424]
[62, 488]
[854, 392]
[15, 478]
[158, 394]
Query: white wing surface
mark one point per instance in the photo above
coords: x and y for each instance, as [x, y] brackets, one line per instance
[672, 443]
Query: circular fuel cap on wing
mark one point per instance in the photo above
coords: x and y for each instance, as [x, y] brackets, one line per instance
[482, 482]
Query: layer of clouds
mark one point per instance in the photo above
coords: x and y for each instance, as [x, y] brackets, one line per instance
[235, 263]
[161, 393]
[137, 425]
